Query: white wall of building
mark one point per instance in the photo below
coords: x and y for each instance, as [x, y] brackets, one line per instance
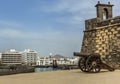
[60, 61]
[29, 56]
[11, 57]
[43, 61]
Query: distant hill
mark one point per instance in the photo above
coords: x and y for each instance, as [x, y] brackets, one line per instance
[58, 56]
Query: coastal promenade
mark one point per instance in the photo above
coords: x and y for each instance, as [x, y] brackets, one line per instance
[63, 77]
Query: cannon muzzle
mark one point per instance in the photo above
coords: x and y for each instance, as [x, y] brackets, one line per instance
[80, 54]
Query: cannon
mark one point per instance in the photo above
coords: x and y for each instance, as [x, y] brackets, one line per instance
[91, 63]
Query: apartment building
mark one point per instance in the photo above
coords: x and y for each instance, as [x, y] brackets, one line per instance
[29, 57]
[11, 57]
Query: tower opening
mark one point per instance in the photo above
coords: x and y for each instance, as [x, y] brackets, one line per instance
[105, 14]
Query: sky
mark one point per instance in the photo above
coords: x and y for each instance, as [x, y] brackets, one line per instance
[47, 26]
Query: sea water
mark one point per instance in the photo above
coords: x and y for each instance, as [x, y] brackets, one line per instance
[38, 69]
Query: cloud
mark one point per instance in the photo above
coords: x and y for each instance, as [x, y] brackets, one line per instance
[76, 10]
[70, 11]
[10, 24]
[73, 20]
[67, 5]
[16, 34]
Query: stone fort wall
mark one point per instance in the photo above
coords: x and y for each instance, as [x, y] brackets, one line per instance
[101, 36]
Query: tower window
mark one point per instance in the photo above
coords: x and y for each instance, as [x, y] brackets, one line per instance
[105, 14]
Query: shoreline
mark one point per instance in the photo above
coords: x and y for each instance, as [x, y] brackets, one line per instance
[63, 77]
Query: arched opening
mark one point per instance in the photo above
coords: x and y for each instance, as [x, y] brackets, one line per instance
[105, 14]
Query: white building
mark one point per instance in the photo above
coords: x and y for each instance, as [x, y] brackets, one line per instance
[43, 61]
[72, 61]
[59, 60]
[29, 57]
[11, 57]
[67, 61]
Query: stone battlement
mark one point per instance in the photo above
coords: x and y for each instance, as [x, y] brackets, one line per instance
[107, 22]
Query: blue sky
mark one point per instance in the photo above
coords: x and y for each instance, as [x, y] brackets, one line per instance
[47, 26]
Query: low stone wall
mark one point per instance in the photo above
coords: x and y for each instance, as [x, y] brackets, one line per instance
[7, 71]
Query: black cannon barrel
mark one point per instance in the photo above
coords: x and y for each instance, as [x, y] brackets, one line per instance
[81, 54]
[85, 54]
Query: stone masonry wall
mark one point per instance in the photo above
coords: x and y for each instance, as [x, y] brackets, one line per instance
[101, 36]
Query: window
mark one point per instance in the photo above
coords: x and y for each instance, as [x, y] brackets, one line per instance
[105, 14]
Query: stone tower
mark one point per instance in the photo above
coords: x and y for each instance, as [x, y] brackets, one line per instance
[102, 34]
[104, 11]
